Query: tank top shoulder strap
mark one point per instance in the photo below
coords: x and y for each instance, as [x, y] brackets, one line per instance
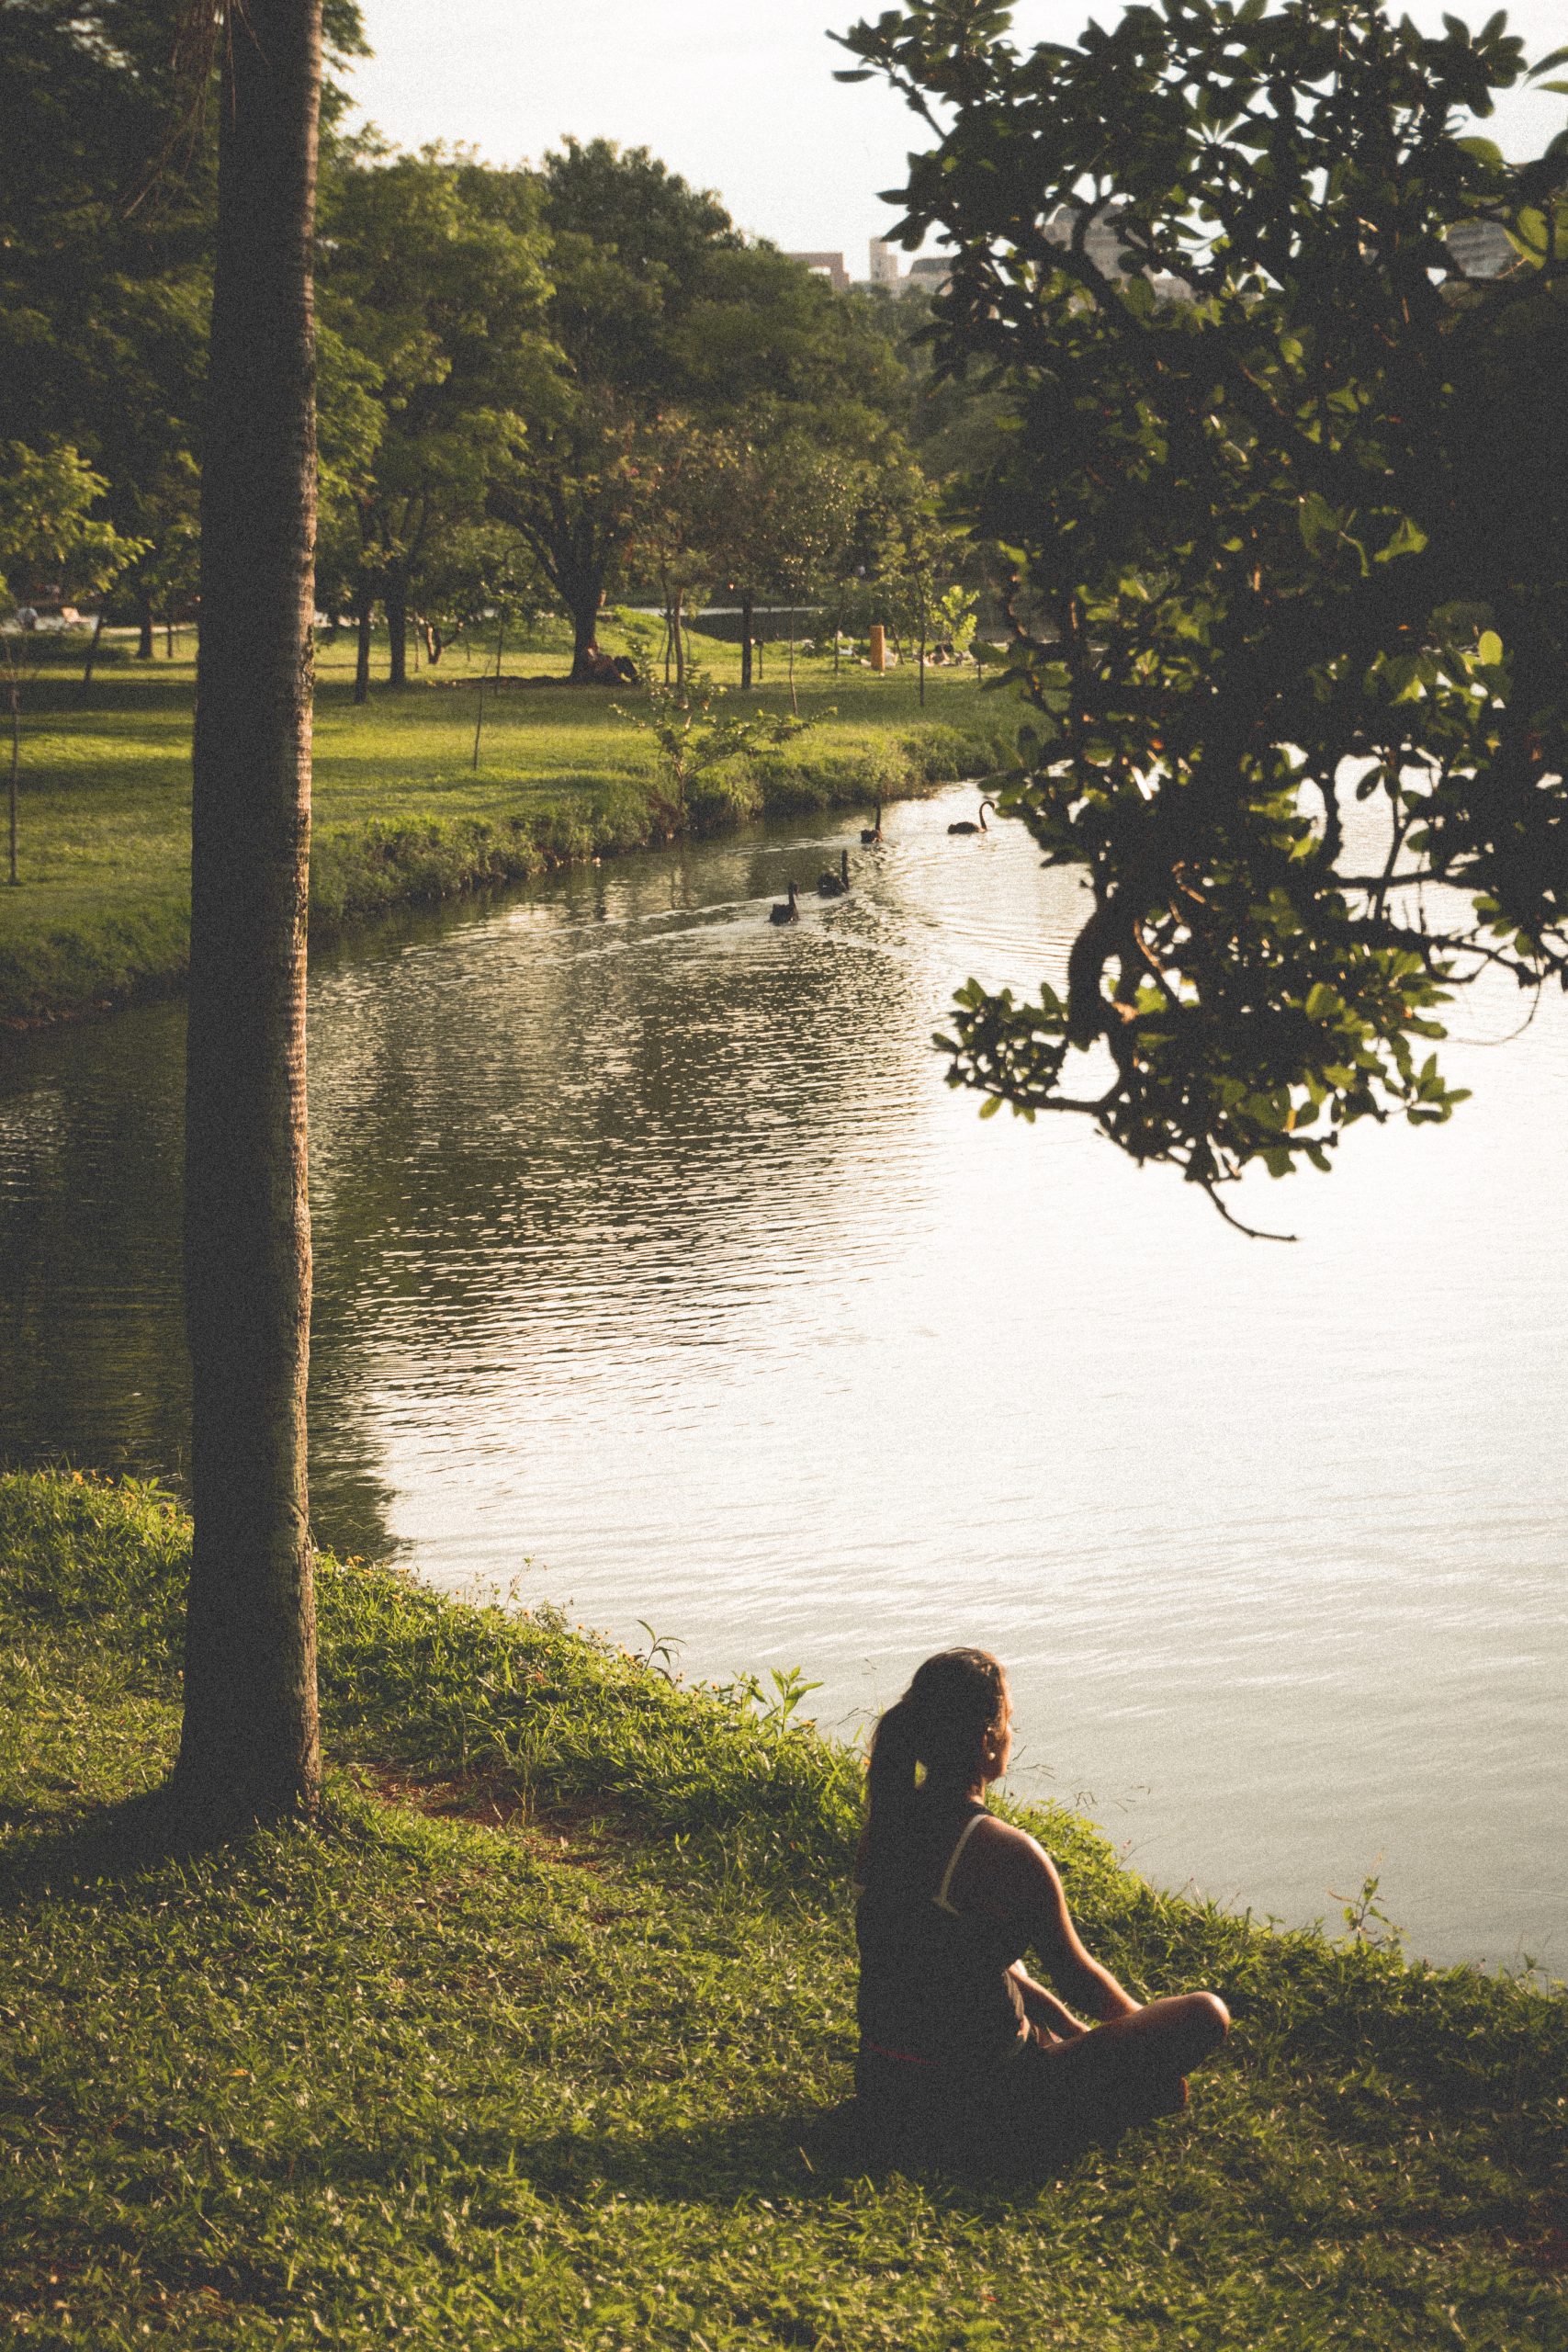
[941, 1898]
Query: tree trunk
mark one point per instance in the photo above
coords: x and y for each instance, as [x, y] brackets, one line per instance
[363, 606]
[14, 696]
[678, 633]
[922, 665]
[144, 628]
[169, 635]
[746, 619]
[89, 663]
[396, 604]
[249, 1747]
[584, 609]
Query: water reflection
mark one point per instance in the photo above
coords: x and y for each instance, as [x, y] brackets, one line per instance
[657, 1268]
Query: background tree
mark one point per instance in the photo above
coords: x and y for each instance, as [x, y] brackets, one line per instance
[47, 533]
[433, 277]
[662, 308]
[917, 555]
[685, 475]
[104, 277]
[1291, 663]
[107, 208]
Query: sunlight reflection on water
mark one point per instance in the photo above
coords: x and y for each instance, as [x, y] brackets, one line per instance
[658, 1271]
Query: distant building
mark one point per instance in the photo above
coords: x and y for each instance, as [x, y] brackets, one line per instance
[827, 265]
[885, 269]
[1103, 248]
[1101, 244]
[1480, 248]
[929, 275]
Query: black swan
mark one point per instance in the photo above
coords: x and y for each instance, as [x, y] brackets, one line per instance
[789, 913]
[871, 836]
[965, 825]
[835, 885]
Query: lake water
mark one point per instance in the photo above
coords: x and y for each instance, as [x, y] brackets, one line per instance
[660, 1276]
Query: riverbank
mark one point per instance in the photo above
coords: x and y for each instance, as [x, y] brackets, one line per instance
[402, 816]
[536, 2042]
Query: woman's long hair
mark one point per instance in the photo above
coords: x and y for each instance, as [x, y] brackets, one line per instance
[941, 1724]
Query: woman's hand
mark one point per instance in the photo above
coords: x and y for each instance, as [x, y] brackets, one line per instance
[1053, 2017]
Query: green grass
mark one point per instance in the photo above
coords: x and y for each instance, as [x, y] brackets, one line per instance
[401, 816]
[532, 2042]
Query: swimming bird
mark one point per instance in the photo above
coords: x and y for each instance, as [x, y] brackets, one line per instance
[789, 913]
[835, 885]
[871, 836]
[966, 826]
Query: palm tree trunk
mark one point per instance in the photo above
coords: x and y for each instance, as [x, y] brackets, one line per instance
[249, 1746]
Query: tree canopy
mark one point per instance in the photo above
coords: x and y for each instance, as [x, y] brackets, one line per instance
[668, 323]
[534, 385]
[1281, 548]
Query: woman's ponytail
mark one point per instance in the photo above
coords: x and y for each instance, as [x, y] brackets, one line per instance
[892, 1771]
[954, 1703]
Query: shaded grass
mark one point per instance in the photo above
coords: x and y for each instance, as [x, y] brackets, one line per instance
[567, 2081]
[402, 816]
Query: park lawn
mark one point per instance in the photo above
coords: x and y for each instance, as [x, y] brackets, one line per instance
[535, 2041]
[401, 816]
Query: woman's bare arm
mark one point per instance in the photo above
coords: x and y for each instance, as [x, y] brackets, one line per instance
[1005, 1871]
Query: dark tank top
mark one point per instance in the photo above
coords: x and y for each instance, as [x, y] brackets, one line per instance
[935, 1988]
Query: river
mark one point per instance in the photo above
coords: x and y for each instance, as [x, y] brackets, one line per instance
[660, 1276]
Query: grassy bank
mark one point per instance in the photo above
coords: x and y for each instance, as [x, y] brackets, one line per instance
[402, 815]
[532, 2044]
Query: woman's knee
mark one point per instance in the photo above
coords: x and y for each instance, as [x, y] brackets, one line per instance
[1208, 2017]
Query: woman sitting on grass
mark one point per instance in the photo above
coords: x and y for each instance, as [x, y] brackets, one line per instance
[961, 2053]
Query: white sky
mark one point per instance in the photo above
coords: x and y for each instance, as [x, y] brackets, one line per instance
[735, 95]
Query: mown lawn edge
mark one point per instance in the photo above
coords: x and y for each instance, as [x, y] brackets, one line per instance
[124, 952]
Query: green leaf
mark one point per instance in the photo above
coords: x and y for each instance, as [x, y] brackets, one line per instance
[1408, 538]
[1489, 650]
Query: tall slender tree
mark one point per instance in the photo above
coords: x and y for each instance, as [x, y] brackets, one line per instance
[249, 1746]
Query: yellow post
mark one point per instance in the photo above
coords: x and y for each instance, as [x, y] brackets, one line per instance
[878, 646]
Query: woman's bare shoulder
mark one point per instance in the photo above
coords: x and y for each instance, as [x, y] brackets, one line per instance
[1009, 1862]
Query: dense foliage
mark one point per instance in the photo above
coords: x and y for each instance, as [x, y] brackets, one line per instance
[1284, 555]
[535, 387]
